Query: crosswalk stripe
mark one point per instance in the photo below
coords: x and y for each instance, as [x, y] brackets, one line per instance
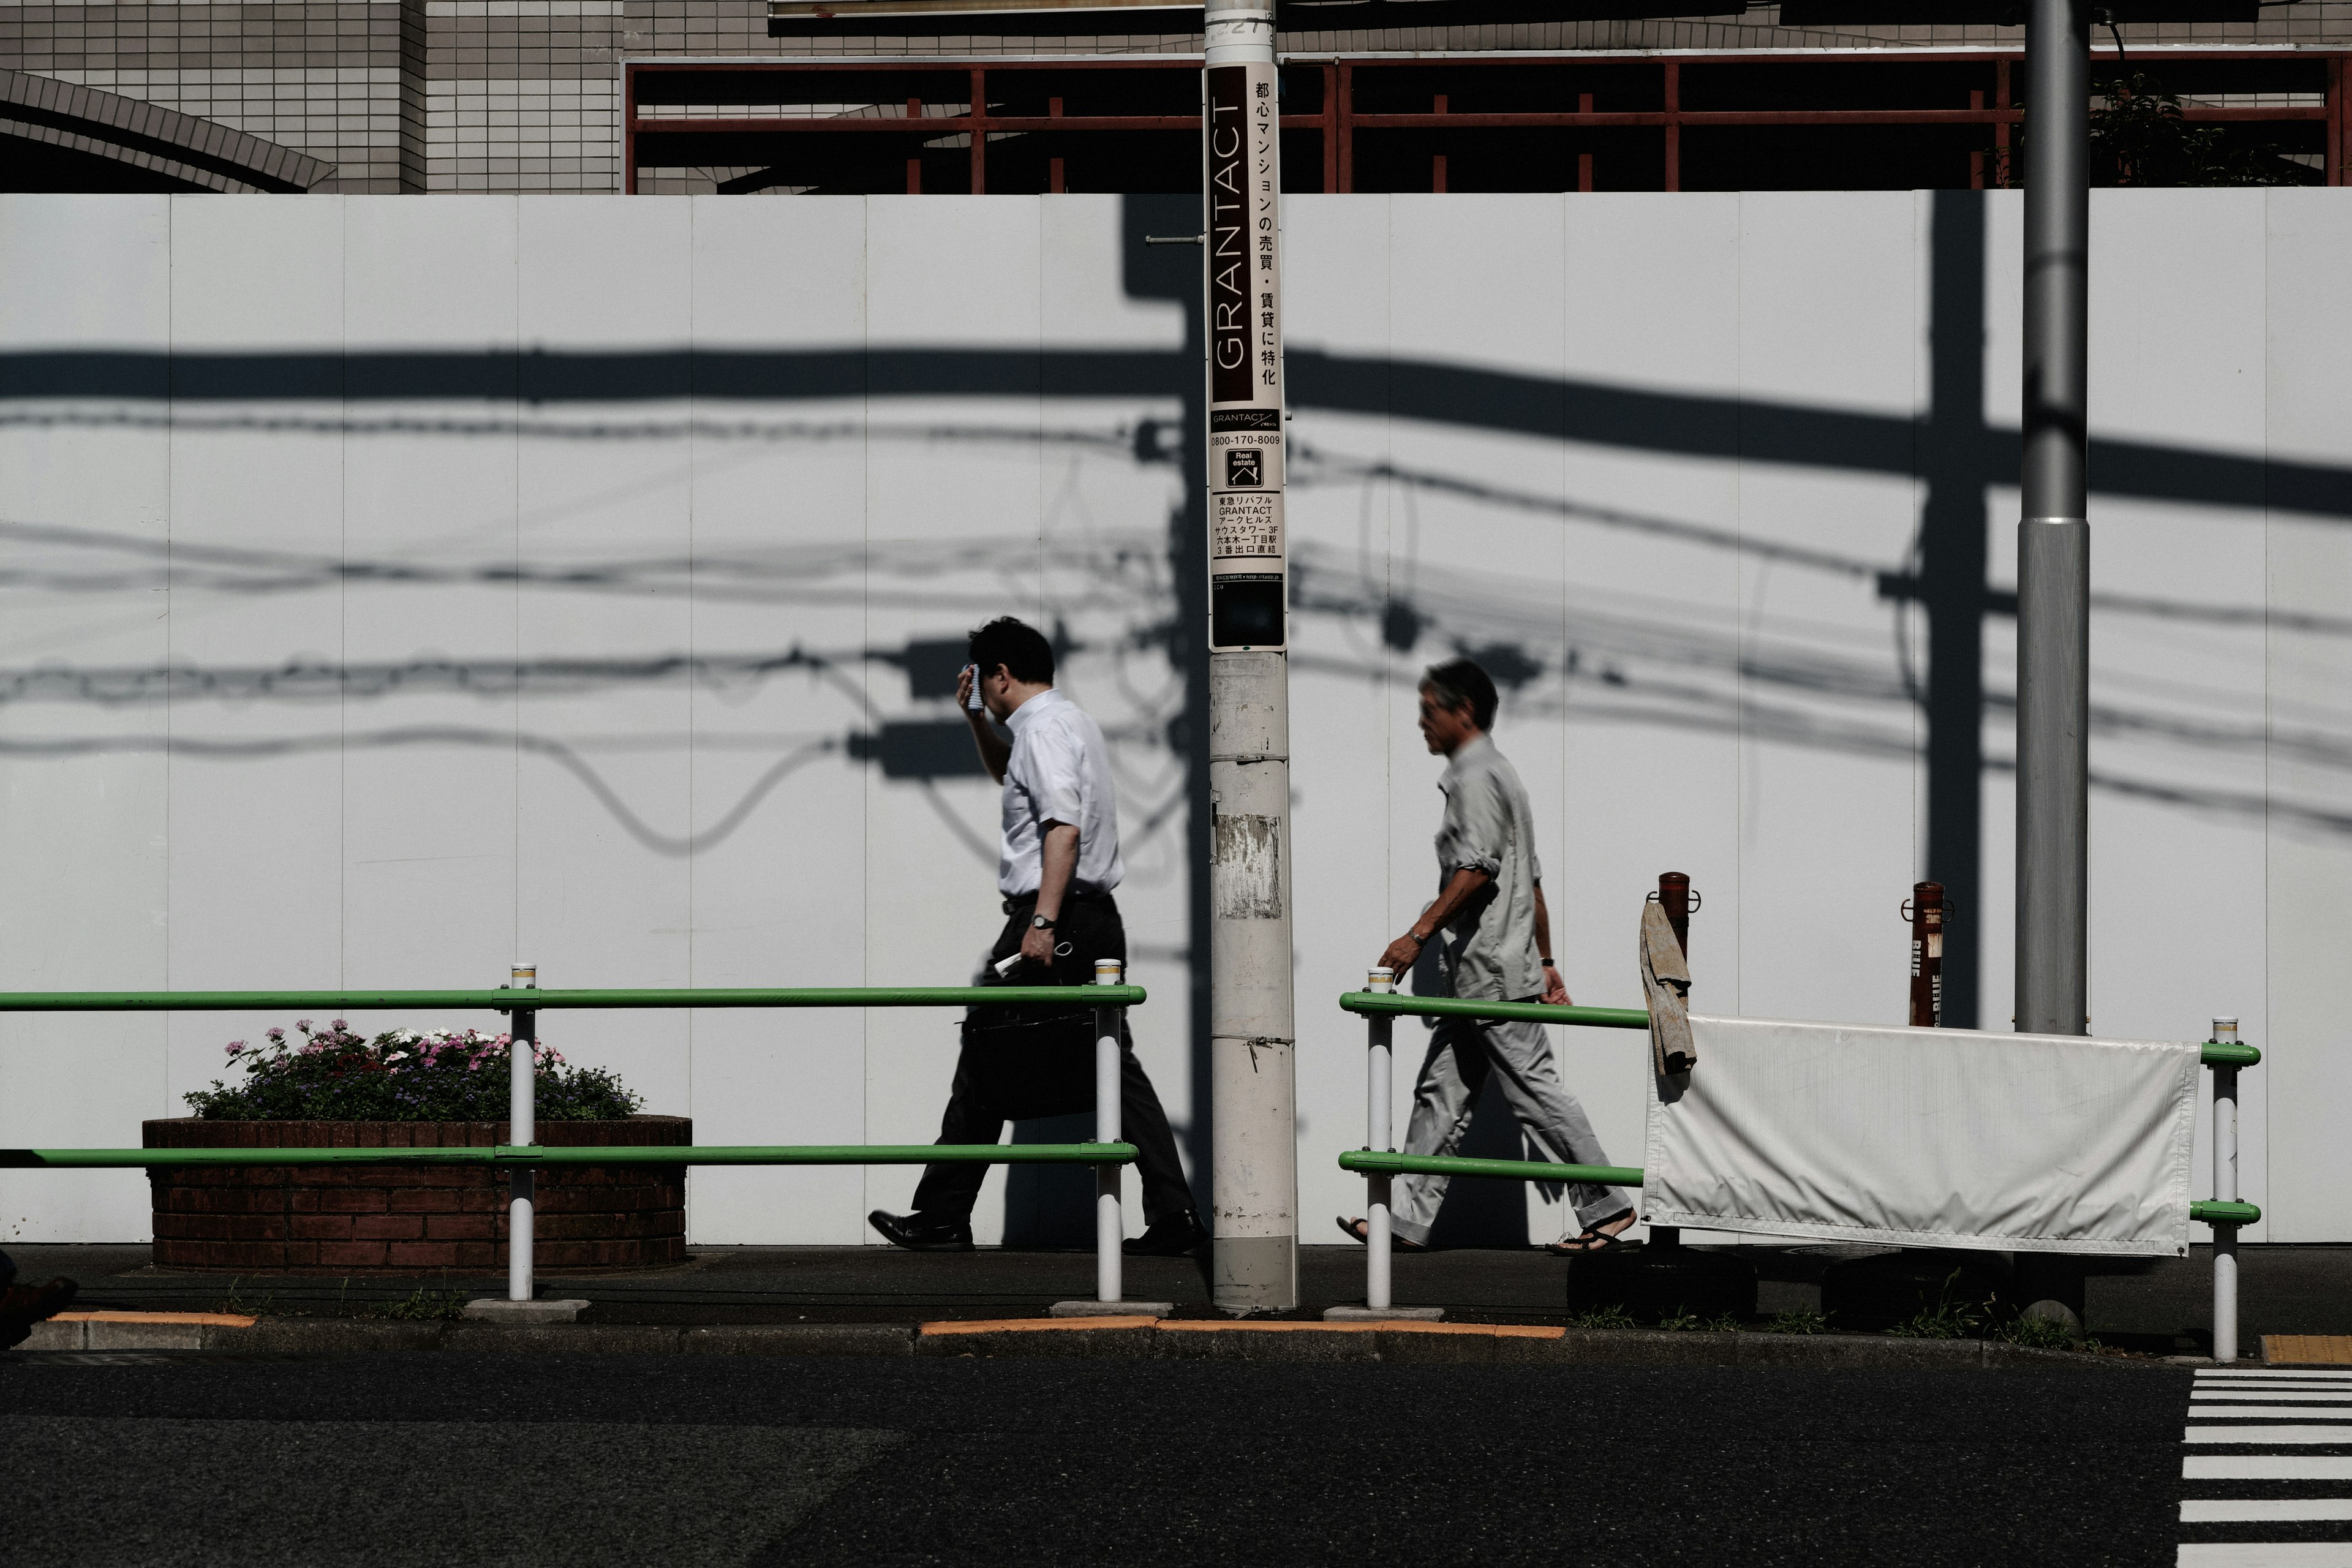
[2249, 1390]
[2266, 1468]
[2266, 1413]
[2248, 1510]
[2266, 1554]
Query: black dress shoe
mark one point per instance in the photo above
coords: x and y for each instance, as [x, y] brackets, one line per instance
[1170, 1237]
[918, 1234]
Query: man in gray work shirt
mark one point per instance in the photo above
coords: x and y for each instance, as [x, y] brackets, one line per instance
[1493, 943]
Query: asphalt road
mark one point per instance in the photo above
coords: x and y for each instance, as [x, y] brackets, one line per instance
[434, 1458]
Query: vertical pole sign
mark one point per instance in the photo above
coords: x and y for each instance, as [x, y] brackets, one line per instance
[1244, 246]
[1251, 1032]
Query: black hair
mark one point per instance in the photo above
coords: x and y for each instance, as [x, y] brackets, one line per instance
[1460, 682]
[1020, 648]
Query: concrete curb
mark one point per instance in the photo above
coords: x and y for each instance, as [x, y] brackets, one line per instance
[1138, 1339]
[86, 1330]
[1526, 1344]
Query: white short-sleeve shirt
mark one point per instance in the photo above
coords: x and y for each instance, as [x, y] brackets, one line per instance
[1059, 771]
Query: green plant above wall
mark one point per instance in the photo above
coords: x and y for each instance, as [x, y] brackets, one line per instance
[402, 1075]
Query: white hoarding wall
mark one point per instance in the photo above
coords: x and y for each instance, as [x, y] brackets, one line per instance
[391, 589]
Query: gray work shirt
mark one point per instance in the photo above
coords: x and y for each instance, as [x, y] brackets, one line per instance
[1487, 952]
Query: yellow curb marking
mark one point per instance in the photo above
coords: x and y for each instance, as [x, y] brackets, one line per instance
[1389, 1325]
[2307, 1349]
[1384, 1326]
[1032, 1325]
[210, 1319]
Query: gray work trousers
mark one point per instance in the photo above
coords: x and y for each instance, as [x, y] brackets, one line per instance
[1462, 1053]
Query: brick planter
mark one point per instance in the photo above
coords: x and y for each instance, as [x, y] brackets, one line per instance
[411, 1219]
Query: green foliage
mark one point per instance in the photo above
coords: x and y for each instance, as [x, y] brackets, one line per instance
[1683, 1321]
[1947, 1320]
[335, 1075]
[2045, 1334]
[1602, 1318]
[2140, 136]
[429, 1306]
[1798, 1323]
[235, 1303]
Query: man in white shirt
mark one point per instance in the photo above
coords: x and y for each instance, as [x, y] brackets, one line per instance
[1057, 867]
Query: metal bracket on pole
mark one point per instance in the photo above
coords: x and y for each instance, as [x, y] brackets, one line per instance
[1111, 1224]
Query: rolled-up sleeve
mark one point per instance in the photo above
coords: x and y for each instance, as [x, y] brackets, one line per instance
[1477, 825]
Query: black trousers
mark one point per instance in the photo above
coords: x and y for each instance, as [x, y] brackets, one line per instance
[1022, 1062]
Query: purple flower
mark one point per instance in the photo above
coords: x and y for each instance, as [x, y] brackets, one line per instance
[235, 1047]
[277, 1036]
[337, 1023]
[303, 1024]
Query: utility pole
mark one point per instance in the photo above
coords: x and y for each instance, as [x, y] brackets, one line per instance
[2053, 532]
[2053, 575]
[1252, 1038]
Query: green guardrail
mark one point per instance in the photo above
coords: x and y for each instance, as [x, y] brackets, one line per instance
[506, 1000]
[589, 1154]
[1453, 1007]
[1504, 1170]
[2214, 1055]
[1360, 1159]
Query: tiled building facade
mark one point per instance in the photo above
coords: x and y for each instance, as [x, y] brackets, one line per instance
[526, 95]
[342, 82]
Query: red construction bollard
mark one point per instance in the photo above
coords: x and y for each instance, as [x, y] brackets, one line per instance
[1926, 913]
[1675, 898]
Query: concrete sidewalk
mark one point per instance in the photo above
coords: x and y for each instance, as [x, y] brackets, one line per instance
[2162, 1308]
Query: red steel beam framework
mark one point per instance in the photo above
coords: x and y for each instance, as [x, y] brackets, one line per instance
[1337, 121]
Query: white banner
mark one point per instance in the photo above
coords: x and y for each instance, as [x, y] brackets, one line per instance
[1927, 1138]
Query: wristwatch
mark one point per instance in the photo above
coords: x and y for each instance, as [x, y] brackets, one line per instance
[1041, 922]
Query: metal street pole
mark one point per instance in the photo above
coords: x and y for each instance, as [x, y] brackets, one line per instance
[2053, 532]
[1251, 1036]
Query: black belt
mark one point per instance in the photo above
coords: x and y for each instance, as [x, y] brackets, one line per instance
[1073, 896]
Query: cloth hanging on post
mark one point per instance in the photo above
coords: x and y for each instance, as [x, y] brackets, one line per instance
[1666, 981]
[1927, 1138]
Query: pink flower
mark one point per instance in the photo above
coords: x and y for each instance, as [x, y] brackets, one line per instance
[277, 1036]
[337, 1023]
[303, 1024]
[235, 1047]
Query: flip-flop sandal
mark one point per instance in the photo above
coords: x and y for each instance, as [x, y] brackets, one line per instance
[1592, 1238]
[1357, 1229]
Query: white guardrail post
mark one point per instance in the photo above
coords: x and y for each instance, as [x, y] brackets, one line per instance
[2225, 1190]
[1378, 1135]
[522, 1127]
[1111, 1224]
